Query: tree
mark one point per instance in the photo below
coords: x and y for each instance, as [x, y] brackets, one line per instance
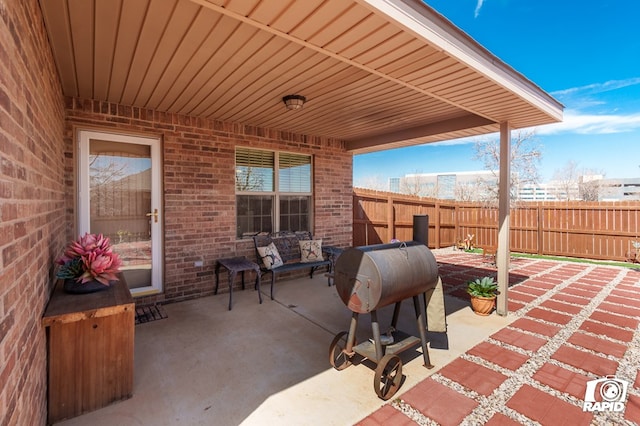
[574, 183]
[566, 181]
[470, 191]
[106, 176]
[590, 185]
[374, 182]
[249, 179]
[525, 157]
[418, 185]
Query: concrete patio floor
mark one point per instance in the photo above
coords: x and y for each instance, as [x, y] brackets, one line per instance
[269, 364]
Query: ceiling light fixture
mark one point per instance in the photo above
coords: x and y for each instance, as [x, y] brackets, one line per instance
[294, 101]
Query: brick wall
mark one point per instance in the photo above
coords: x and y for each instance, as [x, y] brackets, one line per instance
[32, 206]
[199, 185]
[37, 196]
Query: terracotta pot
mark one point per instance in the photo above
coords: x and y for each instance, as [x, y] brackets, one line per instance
[483, 305]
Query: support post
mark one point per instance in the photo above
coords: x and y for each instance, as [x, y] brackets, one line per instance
[502, 255]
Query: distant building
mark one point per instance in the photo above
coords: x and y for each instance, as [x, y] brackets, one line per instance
[449, 186]
[620, 189]
[472, 186]
[551, 191]
[538, 192]
[587, 188]
[394, 184]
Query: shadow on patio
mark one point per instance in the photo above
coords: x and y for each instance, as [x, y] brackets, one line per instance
[269, 363]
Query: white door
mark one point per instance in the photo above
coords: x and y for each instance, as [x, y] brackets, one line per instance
[119, 195]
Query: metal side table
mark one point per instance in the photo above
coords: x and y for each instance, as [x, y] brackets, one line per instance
[233, 266]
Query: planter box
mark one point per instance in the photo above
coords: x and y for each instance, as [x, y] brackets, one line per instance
[89, 348]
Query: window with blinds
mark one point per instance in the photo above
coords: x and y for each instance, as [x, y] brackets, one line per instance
[294, 173]
[273, 191]
[254, 170]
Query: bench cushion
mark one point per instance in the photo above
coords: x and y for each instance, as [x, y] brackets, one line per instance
[310, 251]
[270, 256]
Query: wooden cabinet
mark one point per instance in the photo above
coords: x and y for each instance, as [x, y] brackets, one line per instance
[90, 349]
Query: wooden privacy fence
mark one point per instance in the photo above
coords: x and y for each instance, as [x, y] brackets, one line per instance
[594, 230]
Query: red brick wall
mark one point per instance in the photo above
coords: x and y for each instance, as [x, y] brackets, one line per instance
[199, 185]
[37, 196]
[32, 206]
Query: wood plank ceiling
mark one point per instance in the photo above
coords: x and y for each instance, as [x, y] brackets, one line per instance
[376, 73]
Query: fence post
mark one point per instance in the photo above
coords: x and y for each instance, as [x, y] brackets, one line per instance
[456, 212]
[437, 224]
[540, 234]
[390, 220]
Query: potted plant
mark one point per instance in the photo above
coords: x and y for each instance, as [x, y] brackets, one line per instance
[88, 264]
[483, 292]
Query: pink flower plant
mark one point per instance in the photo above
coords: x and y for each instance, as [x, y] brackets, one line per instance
[90, 258]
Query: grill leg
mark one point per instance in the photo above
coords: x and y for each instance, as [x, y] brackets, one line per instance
[375, 329]
[351, 338]
[396, 314]
[422, 326]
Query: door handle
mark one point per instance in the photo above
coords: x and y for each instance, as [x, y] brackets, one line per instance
[154, 214]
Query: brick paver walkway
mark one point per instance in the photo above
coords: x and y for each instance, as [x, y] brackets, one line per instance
[577, 322]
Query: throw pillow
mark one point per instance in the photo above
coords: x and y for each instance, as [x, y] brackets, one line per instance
[270, 256]
[310, 250]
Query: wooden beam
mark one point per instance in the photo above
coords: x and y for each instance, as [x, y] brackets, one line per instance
[451, 125]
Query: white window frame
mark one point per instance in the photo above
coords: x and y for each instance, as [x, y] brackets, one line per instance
[276, 193]
[84, 197]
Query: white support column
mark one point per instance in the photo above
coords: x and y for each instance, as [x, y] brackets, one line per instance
[502, 255]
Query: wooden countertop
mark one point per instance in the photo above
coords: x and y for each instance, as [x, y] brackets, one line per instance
[64, 307]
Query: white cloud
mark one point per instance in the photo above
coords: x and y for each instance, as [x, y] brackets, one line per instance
[574, 121]
[592, 89]
[478, 7]
[593, 109]
[577, 118]
[597, 94]
[581, 123]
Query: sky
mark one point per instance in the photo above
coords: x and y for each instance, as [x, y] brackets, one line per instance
[584, 53]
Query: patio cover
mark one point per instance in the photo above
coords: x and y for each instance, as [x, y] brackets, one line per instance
[377, 74]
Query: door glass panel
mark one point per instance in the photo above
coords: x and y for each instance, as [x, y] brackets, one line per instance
[120, 204]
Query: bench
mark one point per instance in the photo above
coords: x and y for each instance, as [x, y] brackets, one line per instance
[287, 245]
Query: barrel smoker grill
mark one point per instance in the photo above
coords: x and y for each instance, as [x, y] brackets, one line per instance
[372, 277]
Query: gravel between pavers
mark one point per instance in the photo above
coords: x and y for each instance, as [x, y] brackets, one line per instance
[496, 402]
